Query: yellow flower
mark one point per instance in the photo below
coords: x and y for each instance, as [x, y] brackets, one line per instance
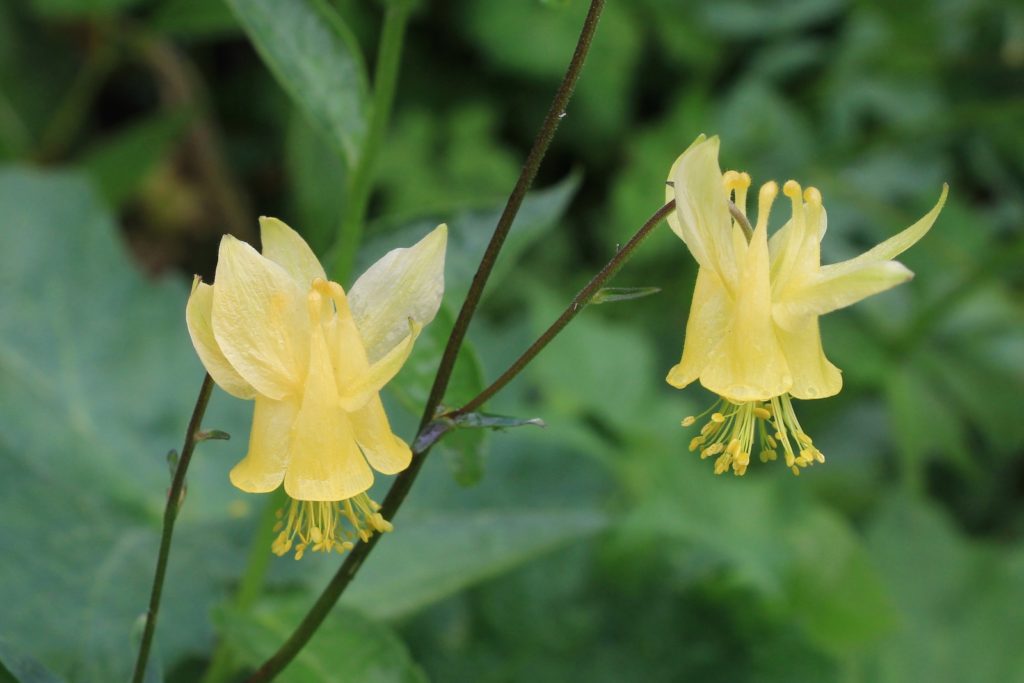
[752, 336]
[273, 328]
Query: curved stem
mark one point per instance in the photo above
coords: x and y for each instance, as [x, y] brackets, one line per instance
[574, 307]
[174, 500]
[404, 481]
[389, 59]
[515, 200]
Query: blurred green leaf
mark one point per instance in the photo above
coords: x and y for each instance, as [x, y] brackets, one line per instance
[607, 295]
[83, 476]
[194, 18]
[317, 182]
[17, 668]
[119, 164]
[66, 9]
[346, 647]
[316, 60]
[430, 557]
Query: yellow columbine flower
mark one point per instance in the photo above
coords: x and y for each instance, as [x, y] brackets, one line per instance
[752, 337]
[274, 329]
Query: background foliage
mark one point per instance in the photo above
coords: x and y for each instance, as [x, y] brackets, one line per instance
[133, 133]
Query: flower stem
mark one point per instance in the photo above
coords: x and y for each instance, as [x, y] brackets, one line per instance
[389, 59]
[174, 500]
[574, 307]
[404, 481]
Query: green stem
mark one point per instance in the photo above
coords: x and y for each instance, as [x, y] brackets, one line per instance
[223, 662]
[389, 59]
[571, 311]
[404, 481]
[174, 500]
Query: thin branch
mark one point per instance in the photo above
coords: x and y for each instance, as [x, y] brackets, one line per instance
[403, 483]
[174, 499]
[571, 311]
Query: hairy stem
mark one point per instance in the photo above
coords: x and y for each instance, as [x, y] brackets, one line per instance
[389, 59]
[404, 481]
[174, 500]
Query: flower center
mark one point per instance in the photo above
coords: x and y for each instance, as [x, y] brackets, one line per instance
[732, 428]
[319, 525]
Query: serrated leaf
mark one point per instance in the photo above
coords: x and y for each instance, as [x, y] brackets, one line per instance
[316, 60]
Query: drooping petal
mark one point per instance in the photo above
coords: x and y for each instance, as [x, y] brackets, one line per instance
[286, 248]
[200, 327]
[404, 284]
[386, 452]
[833, 290]
[813, 375]
[356, 393]
[710, 317]
[260, 320]
[264, 465]
[895, 245]
[324, 461]
[748, 363]
[702, 218]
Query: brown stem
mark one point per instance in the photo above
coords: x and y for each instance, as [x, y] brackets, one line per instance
[170, 515]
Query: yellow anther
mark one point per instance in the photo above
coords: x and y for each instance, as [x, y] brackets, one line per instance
[715, 448]
[717, 417]
[765, 198]
[733, 448]
[315, 535]
[795, 470]
[688, 421]
[812, 196]
[709, 428]
[762, 413]
[770, 440]
[695, 443]
[722, 464]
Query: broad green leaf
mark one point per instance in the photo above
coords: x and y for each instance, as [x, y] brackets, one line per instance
[316, 60]
[65, 9]
[317, 178]
[18, 668]
[98, 380]
[119, 163]
[431, 557]
[194, 19]
[347, 646]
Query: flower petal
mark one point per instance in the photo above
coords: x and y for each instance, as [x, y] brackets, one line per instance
[895, 245]
[356, 393]
[286, 248]
[710, 317]
[748, 363]
[264, 465]
[404, 284]
[831, 291]
[386, 452]
[260, 320]
[813, 375]
[200, 327]
[702, 218]
[324, 461]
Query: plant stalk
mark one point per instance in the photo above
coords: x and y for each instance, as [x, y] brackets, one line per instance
[174, 500]
[404, 481]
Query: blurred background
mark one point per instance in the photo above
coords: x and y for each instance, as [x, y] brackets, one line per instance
[134, 133]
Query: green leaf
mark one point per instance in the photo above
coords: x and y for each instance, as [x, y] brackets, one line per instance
[346, 647]
[66, 9]
[427, 558]
[317, 178]
[18, 668]
[445, 425]
[607, 295]
[120, 163]
[194, 19]
[98, 384]
[315, 58]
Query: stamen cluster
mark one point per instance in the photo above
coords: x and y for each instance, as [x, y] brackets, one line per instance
[318, 525]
